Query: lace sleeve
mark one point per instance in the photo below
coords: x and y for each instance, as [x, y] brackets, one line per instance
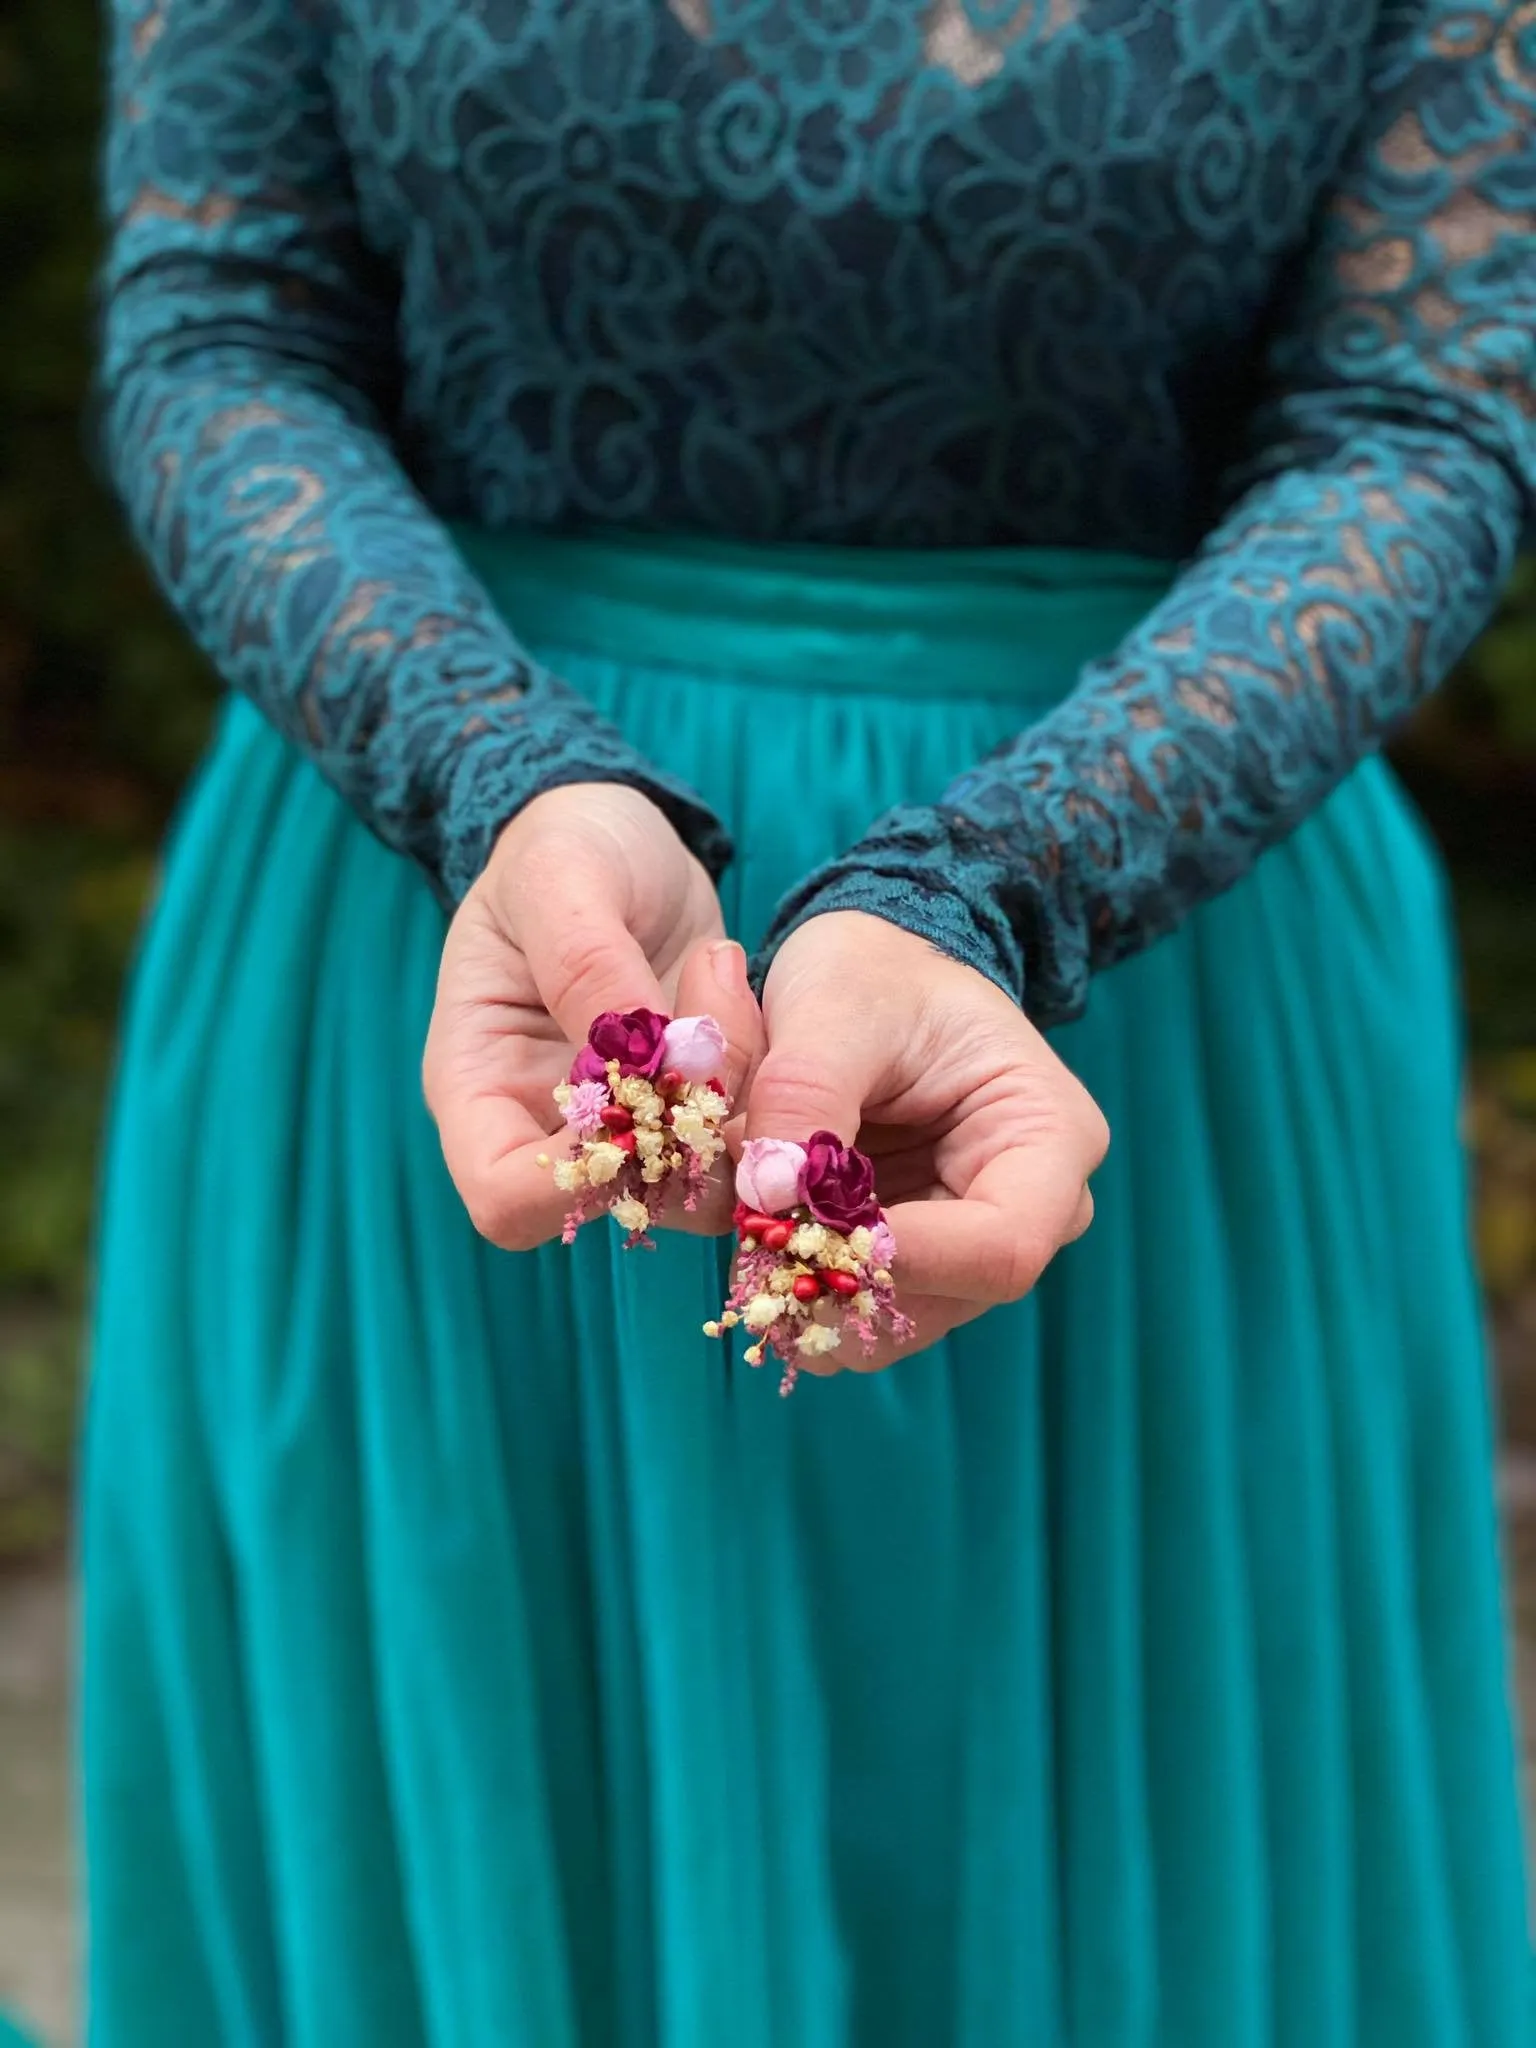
[1371, 526]
[248, 357]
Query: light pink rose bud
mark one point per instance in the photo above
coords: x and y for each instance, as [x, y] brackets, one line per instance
[770, 1175]
[693, 1047]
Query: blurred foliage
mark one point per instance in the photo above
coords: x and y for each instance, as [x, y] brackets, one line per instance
[103, 706]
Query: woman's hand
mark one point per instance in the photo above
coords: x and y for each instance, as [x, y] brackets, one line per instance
[589, 902]
[983, 1142]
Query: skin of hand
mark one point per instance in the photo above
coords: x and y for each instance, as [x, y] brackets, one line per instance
[590, 902]
[983, 1142]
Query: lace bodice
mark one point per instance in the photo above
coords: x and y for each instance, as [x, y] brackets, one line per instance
[1249, 281]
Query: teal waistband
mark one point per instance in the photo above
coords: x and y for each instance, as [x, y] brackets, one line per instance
[1008, 622]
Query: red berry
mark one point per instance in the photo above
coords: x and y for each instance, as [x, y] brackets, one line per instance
[841, 1283]
[616, 1117]
[753, 1225]
[671, 1081]
[718, 1085]
[625, 1140]
[807, 1287]
[777, 1235]
[740, 1214]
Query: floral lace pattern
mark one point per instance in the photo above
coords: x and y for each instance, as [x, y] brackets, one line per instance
[1389, 467]
[1245, 279]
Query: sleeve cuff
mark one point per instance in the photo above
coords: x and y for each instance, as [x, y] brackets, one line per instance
[559, 740]
[930, 871]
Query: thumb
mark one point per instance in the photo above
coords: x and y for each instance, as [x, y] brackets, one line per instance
[816, 1075]
[584, 959]
[713, 983]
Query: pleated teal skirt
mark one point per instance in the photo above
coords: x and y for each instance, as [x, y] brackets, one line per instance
[478, 1657]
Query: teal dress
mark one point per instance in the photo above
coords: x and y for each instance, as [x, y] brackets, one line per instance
[1057, 440]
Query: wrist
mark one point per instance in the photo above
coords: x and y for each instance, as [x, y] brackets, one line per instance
[566, 803]
[908, 872]
[488, 807]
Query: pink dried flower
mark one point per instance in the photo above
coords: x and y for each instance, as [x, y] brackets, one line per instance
[583, 1107]
[588, 1066]
[770, 1175]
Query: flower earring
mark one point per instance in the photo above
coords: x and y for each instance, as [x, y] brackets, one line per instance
[815, 1254]
[644, 1106]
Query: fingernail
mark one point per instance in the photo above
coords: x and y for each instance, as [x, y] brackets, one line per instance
[729, 962]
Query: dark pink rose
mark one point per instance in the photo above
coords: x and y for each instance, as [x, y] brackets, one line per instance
[632, 1037]
[588, 1066]
[839, 1183]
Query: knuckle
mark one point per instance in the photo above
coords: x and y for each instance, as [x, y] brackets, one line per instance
[484, 1210]
[1096, 1134]
[794, 1085]
[581, 965]
[436, 1077]
[1016, 1265]
[493, 1217]
[1085, 1121]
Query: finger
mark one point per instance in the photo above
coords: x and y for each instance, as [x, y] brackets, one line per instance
[904, 1173]
[712, 1217]
[513, 1200]
[583, 957]
[713, 983]
[994, 1244]
[480, 1078]
[492, 1145]
[816, 1075]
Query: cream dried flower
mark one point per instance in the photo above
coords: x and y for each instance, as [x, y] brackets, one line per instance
[818, 1339]
[630, 1214]
[639, 1098]
[689, 1127]
[604, 1163]
[705, 1145]
[761, 1311]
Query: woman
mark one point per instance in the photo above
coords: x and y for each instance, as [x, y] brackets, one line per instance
[951, 495]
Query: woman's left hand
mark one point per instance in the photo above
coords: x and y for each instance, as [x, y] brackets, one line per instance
[983, 1142]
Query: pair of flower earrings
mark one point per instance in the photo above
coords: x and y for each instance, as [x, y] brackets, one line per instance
[646, 1110]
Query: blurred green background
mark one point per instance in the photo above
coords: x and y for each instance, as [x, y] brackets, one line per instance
[103, 707]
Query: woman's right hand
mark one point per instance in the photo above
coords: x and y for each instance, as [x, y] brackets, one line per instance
[590, 902]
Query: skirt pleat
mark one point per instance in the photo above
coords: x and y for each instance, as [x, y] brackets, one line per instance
[479, 1657]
